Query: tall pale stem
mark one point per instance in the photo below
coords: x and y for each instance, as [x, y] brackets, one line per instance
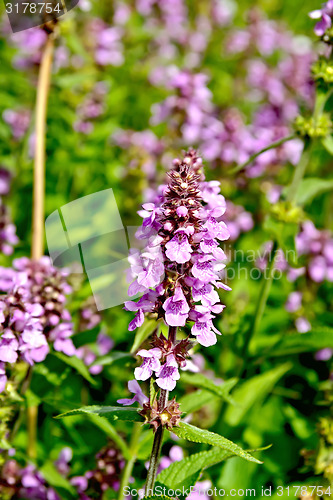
[43, 86]
[37, 246]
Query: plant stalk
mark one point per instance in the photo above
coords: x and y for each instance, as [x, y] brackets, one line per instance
[158, 438]
[37, 244]
[43, 86]
[126, 474]
[266, 286]
[274, 145]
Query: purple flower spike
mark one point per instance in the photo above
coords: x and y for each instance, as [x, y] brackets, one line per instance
[180, 269]
[139, 397]
[168, 374]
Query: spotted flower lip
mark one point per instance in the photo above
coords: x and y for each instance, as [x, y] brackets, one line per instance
[176, 309]
[150, 363]
[168, 374]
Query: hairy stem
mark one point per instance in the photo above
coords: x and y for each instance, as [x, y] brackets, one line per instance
[158, 438]
[37, 246]
[274, 145]
[126, 474]
[153, 462]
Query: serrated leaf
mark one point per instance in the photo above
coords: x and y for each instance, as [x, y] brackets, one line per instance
[252, 392]
[143, 333]
[110, 412]
[192, 433]
[309, 188]
[109, 359]
[185, 485]
[294, 343]
[57, 481]
[202, 382]
[77, 364]
[178, 471]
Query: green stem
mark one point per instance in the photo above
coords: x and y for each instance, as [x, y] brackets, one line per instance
[266, 285]
[261, 304]
[274, 145]
[158, 438]
[299, 172]
[154, 459]
[126, 474]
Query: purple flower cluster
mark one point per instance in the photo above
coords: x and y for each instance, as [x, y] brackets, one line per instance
[325, 16]
[33, 313]
[30, 45]
[18, 120]
[25, 483]
[107, 42]
[92, 107]
[190, 112]
[238, 220]
[181, 265]
[315, 252]
[179, 270]
[143, 149]
[8, 236]
[29, 483]
[317, 248]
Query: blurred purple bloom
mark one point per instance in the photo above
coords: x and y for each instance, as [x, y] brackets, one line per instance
[139, 397]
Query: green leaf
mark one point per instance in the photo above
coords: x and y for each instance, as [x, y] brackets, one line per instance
[110, 412]
[143, 333]
[309, 188]
[86, 337]
[192, 433]
[111, 432]
[253, 392]
[57, 481]
[77, 364]
[327, 142]
[221, 390]
[109, 359]
[196, 400]
[296, 342]
[185, 485]
[179, 471]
